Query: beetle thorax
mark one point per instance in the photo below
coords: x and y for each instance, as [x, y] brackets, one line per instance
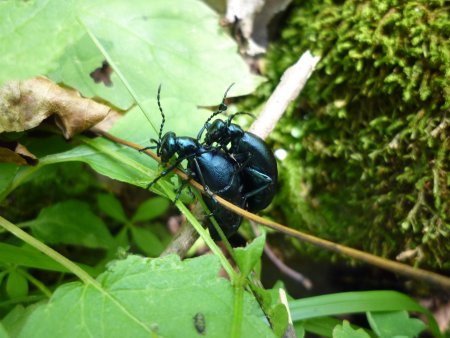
[216, 132]
[187, 146]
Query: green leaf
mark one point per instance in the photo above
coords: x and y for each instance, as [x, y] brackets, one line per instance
[147, 241]
[6, 178]
[180, 46]
[16, 318]
[150, 43]
[151, 209]
[71, 222]
[111, 206]
[346, 331]
[115, 161]
[248, 257]
[143, 297]
[280, 319]
[81, 58]
[16, 285]
[3, 333]
[395, 324]
[322, 326]
[299, 330]
[354, 302]
[28, 257]
[33, 34]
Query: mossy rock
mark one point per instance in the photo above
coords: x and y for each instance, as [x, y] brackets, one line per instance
[368, 138]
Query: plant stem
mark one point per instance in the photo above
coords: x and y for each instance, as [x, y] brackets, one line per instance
[238, 310]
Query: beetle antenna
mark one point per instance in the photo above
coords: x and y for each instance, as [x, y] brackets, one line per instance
[222, 106]
[162, 113]
[239, 113]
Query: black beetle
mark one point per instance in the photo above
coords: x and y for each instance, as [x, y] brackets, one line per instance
[256, 161]
[214, 169]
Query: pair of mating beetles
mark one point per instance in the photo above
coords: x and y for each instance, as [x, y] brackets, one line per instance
[236, 165]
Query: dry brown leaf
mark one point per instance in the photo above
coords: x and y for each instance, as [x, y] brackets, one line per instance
[13, 152]
[252, 18]
[25, 104]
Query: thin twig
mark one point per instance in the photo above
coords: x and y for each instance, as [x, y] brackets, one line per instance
[287, 270]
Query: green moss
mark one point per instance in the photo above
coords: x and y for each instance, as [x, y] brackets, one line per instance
[369, 136]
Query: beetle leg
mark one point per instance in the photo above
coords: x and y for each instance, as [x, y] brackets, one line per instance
[180, 189]
[151, 147]
[202, 181]
[146, 148]
[240, 167]
[183, 184]
[200, 133]
[166, 171]
[239, 113]
[265, 181]
[242, 159]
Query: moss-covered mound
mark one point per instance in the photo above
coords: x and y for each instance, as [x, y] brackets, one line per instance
[369, 137]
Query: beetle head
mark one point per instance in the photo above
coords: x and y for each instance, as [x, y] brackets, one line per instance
[168, 146]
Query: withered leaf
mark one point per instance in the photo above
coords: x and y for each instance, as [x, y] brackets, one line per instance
[13, 152]
[25, 104]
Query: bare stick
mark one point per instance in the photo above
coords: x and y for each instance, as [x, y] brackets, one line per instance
[185, 237]
[287, 270]
[290, 86]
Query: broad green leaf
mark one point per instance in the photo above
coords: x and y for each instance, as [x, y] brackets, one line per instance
[346, 331]
[71, 222]
[111, 206]
[16, 285]
[181, 46]
[248, 257]
[141, 297]
[33, 35]
[395, 324]
[147, 241]
[150, 209]
[81, 58]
